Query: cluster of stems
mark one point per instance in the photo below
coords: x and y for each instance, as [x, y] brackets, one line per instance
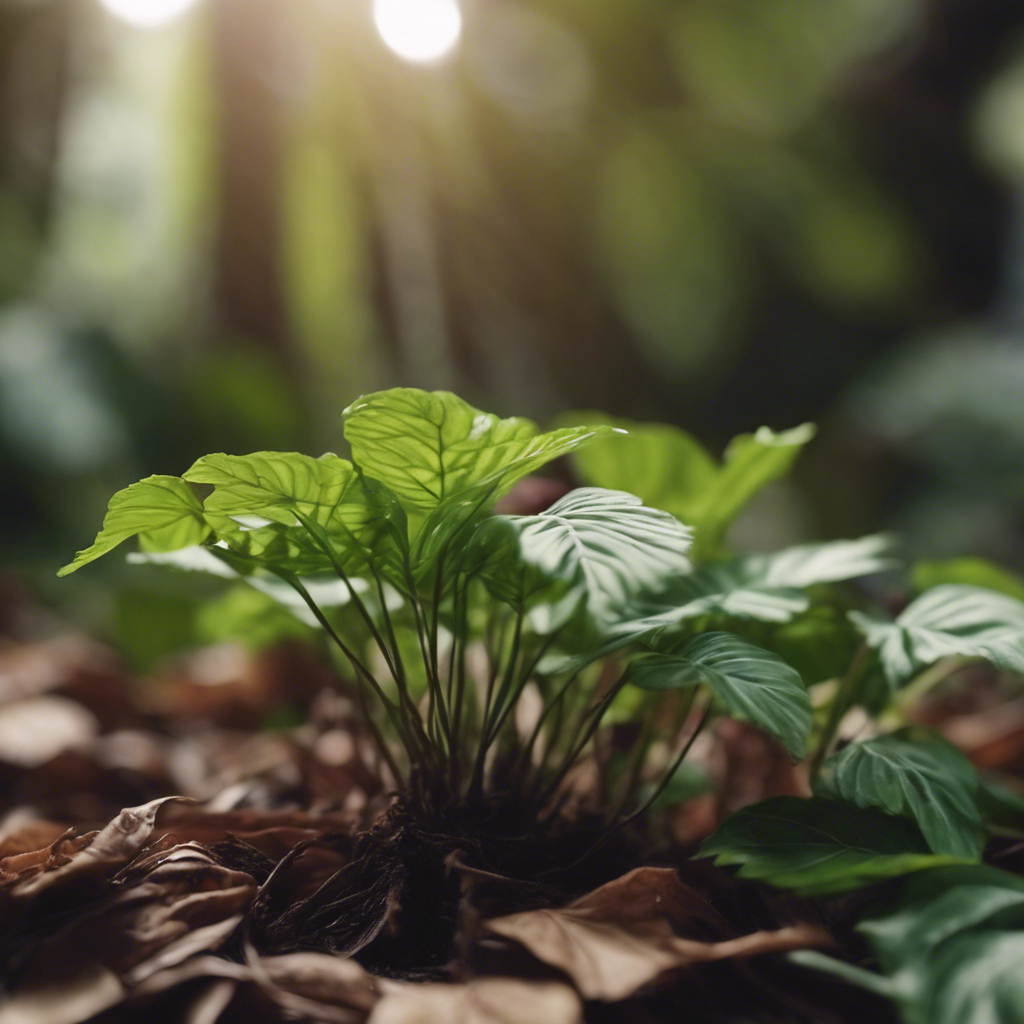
[455, 741]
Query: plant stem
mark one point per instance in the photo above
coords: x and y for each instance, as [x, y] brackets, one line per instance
[846, 695]
[360, 670]
[668, 776]
[578, 744]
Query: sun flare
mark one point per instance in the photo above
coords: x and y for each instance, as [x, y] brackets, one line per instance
[418, 30]
[147, 13]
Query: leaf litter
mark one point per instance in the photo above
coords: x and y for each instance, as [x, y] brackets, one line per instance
[257, 897]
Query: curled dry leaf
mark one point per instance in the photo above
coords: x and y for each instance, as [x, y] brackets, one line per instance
[623, 935]
[187, 904]
[72, 857]
[485, 1001]
[306, 986]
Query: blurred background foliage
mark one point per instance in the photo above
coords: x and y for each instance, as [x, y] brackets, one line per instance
[218, 228]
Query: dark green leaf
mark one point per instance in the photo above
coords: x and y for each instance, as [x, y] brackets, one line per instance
[819, 847]
[929, 781]
[162, 510]
[748, 682]
[950, 946]
[950, 620]
[999, 805]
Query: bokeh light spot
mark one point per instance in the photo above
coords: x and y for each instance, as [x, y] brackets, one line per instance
[418, 30]
[147, 13]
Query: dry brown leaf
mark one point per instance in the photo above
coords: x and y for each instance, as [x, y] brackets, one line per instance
[330, 980]
[485, 1001]
[186, 905]
[72, 996]
[72, 856]
[623, 935]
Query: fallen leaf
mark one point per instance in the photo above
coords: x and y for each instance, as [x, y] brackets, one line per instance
[623, 935]
[70, 997]
[485, 1001]
[320, 978]
[35, 731]
[72, 856]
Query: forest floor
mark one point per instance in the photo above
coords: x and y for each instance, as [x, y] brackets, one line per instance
[167, 853]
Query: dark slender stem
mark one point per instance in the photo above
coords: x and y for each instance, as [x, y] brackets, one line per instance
[362, 673]
[490, 731]
[668, 776]
[636, 762]
[525, 755]
[846, 695]
[579, 744]
[518, 687]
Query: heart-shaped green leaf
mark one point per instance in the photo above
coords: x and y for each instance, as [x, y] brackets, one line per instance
[291, 510]
[748, 682]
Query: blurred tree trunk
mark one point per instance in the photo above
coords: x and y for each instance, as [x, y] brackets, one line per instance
[249, 55]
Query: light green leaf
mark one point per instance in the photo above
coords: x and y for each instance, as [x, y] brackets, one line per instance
[276, 506]
[974, 572]
[607, 544]
[668, 469]
[162, 509]
[242, 613]
[749, 683]
[662, 465]
[752, 461]
[428, 446]
[819, 847]
[929, 781]
[949, 620]
[767, 588]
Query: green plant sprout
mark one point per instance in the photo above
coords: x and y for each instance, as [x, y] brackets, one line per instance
[607, 607]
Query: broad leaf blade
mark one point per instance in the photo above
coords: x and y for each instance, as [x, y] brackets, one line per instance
[662, 465]
[928, 781]
[948, 621]
[819, 847]
[607, 544]
[162, 509]
[284, 508]
[752, 461]
[428, 446]
[950, 947]
[766, 587]
[972, 572]
[749, 683]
